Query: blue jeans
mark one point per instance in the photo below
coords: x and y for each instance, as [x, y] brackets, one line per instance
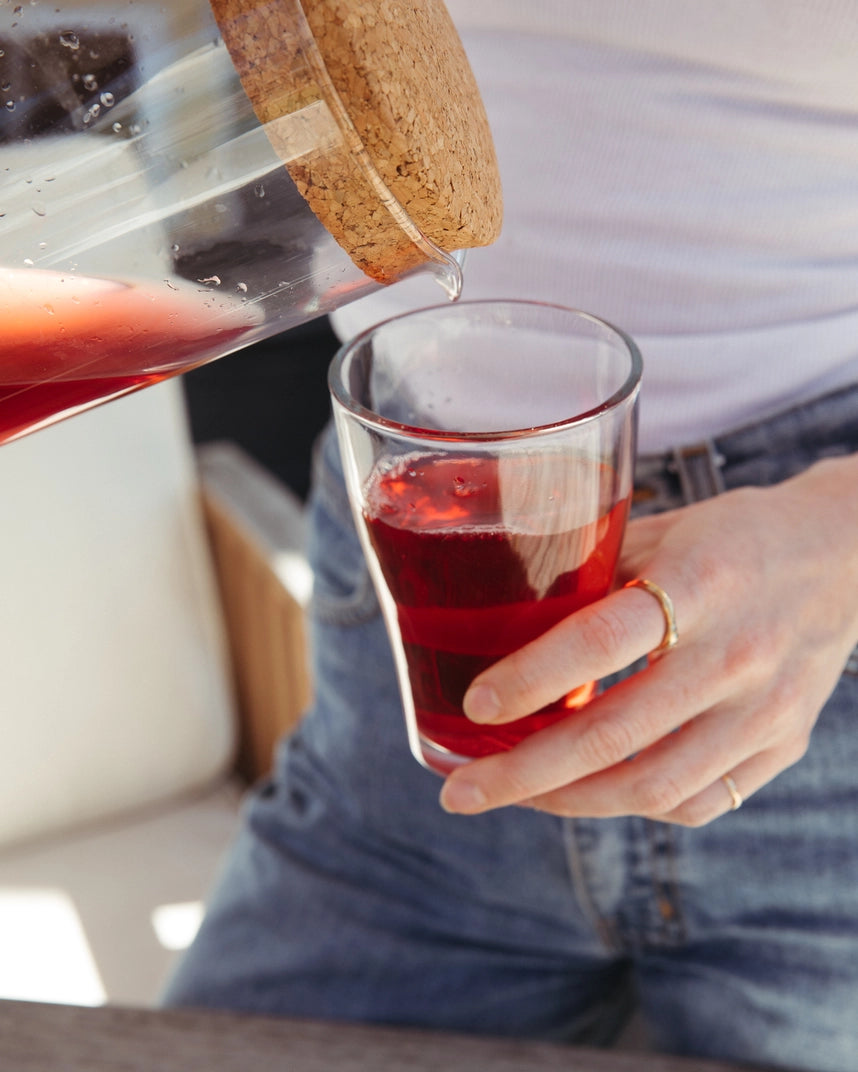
[350, 894]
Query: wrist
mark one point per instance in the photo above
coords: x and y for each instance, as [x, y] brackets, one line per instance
[830, 495]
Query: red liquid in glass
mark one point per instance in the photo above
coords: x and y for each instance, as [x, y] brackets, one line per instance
[68, 342]
[475, 577]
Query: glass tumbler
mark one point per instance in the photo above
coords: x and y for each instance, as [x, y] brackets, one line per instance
[488, 450]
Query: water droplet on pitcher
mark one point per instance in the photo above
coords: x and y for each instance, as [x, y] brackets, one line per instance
[69, 39]
[116, 128]
[213, 279]
[90, 82]
[107, 99]
[259, 191]
[10, 106]
[241, 288]
[5, 87]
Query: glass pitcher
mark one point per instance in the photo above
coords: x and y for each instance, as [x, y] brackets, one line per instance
[179, 181]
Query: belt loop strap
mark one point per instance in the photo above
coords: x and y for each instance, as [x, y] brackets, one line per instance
[698, 467]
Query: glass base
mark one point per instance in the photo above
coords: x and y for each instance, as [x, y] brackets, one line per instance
[438, 759]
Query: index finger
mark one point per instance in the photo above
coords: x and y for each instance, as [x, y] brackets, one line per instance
[593, 643]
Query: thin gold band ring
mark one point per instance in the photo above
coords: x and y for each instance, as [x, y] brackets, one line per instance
[736, 798]
[671, 632]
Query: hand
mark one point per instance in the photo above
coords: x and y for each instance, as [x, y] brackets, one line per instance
[764, 582]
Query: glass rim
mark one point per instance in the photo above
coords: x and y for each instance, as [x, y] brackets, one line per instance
[625, 392]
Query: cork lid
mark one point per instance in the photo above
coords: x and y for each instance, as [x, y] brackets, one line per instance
[374, 110]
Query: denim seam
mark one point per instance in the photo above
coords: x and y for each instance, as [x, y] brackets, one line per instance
[604, 928]
[662, 847]
[362, 606]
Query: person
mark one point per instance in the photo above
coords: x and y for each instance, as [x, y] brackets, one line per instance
[690, 175]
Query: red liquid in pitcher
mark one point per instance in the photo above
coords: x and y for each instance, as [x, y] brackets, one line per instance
[68, 342]
[480, 561]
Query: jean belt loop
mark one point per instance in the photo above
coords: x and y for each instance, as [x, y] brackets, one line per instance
[698, 467]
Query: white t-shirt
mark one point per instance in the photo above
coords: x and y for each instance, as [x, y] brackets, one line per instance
[686, 171]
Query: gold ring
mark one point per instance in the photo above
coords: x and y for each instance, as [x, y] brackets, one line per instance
[736, 799]
[671, 633]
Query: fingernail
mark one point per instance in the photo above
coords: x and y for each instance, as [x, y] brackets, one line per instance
[463, 798]
[481, 704]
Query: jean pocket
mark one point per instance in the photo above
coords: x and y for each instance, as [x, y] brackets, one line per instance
[343, 593]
